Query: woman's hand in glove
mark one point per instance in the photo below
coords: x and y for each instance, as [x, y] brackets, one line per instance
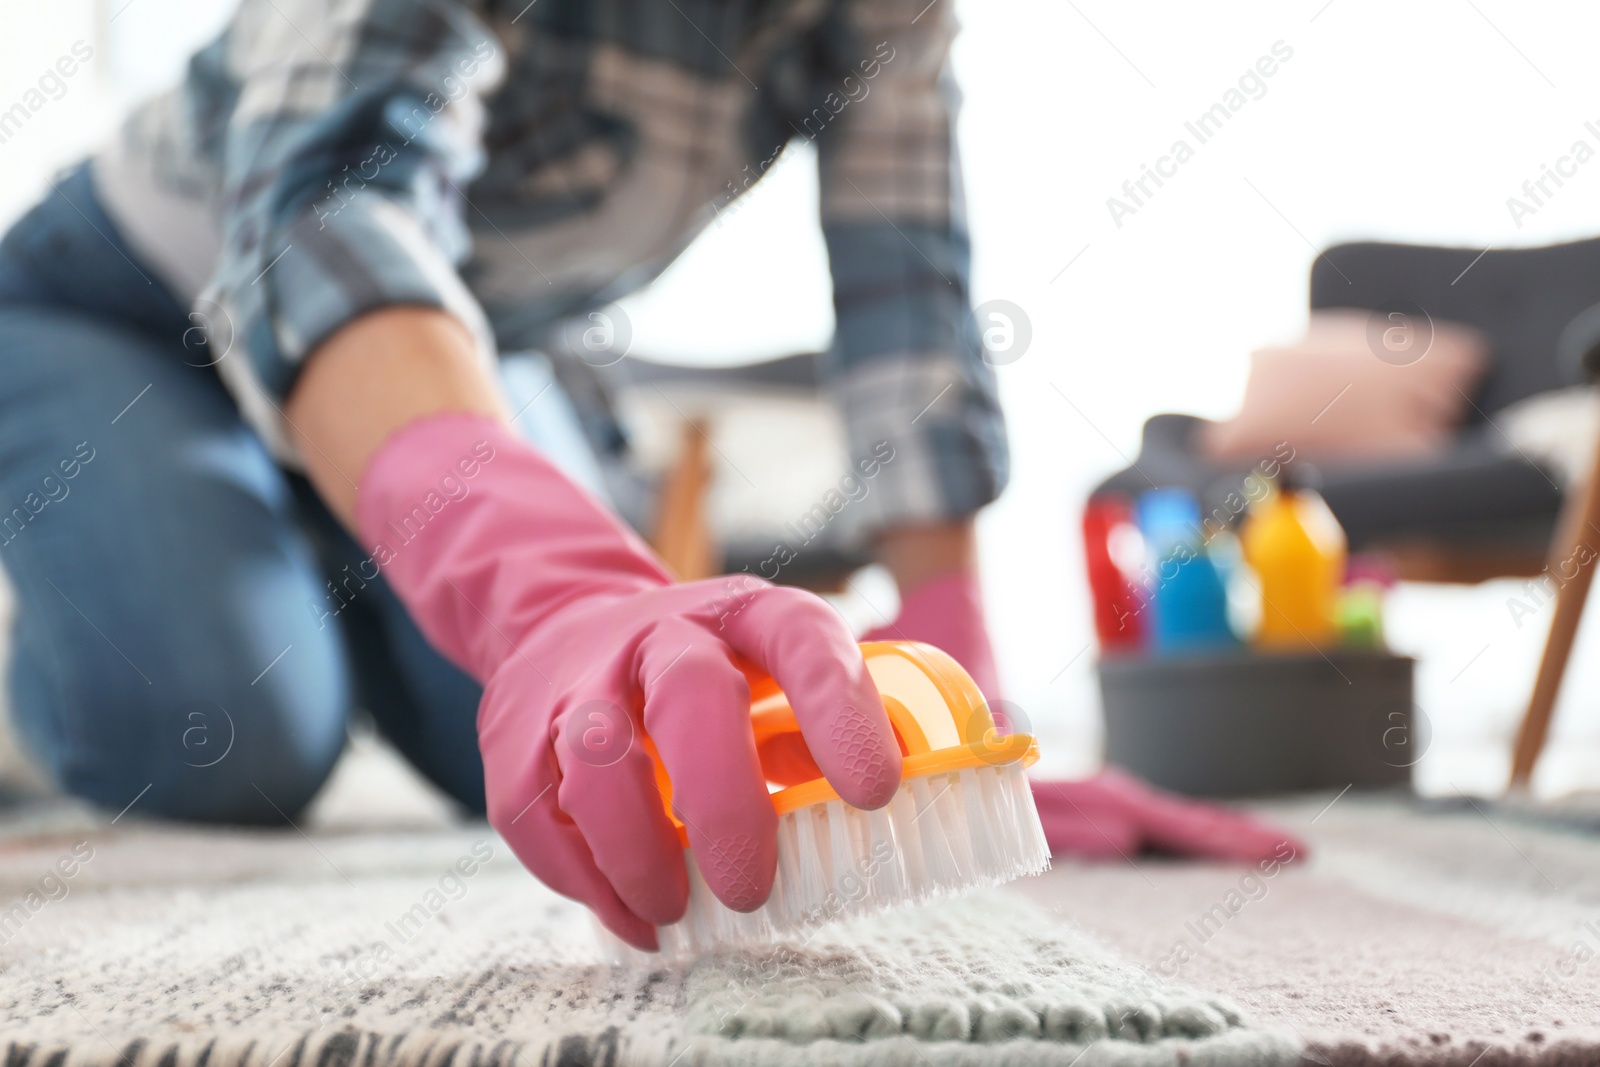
[584, 645]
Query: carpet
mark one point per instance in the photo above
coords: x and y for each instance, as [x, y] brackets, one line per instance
[1448, 937]
[1445, 934]
[171, 947]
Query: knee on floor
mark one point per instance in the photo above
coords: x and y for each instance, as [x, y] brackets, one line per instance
[192, 749]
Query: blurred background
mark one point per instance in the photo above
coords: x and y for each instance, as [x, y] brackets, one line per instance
[1407, 123]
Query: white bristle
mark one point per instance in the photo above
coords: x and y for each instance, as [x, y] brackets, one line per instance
[941, 834]
[949, 820]
[940, 866]
[813, 882]
[1033, 848]
[980, 833]
[842, 854]
[884, 876]
[908, 843]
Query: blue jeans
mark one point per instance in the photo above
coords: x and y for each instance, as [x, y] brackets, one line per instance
[185, 617]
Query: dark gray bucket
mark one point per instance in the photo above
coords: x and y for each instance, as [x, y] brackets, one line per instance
[1241, 723]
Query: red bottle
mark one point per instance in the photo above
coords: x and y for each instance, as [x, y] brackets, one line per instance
[1118, 608]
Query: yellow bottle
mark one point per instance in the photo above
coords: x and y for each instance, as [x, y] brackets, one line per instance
[1297, 550]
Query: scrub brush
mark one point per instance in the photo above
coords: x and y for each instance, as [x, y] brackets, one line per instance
[962, 818]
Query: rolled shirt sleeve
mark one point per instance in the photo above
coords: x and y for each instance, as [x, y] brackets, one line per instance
[355, 131]
[907, 365]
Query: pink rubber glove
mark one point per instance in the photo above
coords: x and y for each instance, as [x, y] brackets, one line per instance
[1107, 815]
[1115, 814]
[947, 612]
[582, 641]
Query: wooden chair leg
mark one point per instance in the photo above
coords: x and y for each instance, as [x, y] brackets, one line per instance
[682, 534]
[1575, 549]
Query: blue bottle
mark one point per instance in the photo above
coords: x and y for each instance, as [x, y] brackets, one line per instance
[1188, 599]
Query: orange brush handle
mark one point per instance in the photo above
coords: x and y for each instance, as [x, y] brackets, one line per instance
[940, 720]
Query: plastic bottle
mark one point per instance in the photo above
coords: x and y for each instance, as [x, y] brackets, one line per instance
[1367, 579]
[1361, 616]
[1297, 550]
[1189, 603]
[1119, 616]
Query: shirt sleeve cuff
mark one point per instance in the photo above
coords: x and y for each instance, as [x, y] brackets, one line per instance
[938, 438]
[326, 268]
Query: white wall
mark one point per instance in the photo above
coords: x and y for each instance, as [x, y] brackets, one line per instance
[138, 46]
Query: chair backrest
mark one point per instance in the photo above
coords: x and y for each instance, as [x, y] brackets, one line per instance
[1523, 299]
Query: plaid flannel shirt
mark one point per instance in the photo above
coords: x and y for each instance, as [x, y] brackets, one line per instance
[519, 163]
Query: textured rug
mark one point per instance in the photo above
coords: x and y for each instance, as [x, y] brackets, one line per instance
[170, 948]
[1415, 936]
[1459, 933]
